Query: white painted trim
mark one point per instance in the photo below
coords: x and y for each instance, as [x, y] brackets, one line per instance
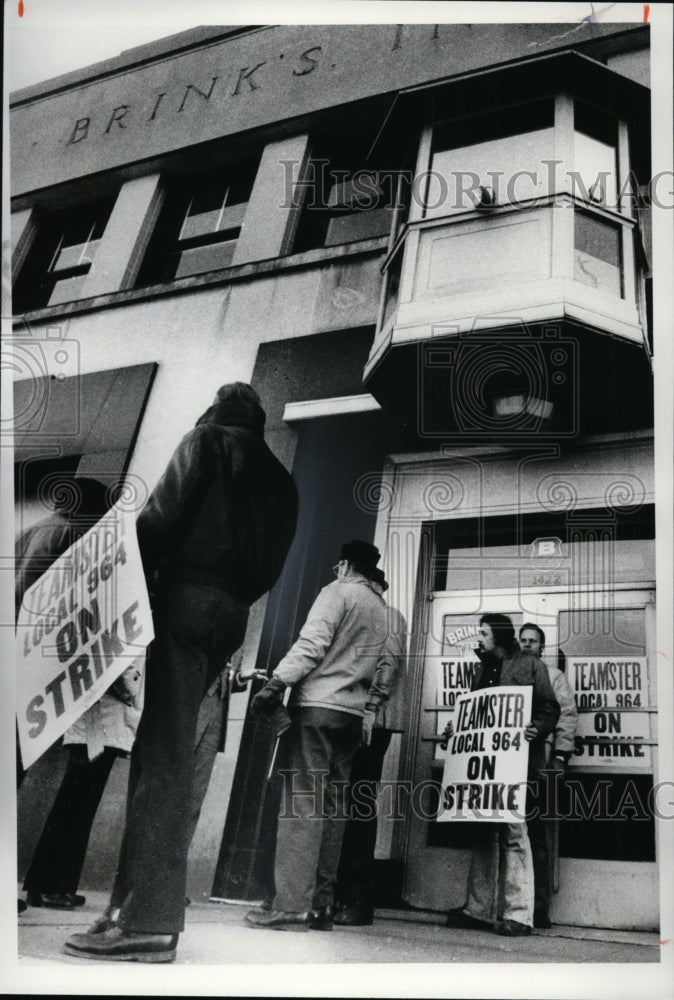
[309, 409]
[580, 588]
[487, 451]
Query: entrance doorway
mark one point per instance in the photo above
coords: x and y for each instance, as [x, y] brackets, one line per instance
[606, 866]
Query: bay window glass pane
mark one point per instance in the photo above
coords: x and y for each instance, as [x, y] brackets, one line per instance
[502, 149]
[595, 170]
[595, 154]
[597, 257]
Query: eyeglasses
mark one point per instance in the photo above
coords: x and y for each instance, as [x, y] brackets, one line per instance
[335, 568]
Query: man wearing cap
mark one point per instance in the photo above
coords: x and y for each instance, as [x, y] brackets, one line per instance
[331, 668]
[213, 536]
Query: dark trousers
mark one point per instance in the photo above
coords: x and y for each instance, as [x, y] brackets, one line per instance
[540, 837]
[59, 856]
[213, 722]
[196, 631]
[542, 801]
[355, 878]
[316, 755]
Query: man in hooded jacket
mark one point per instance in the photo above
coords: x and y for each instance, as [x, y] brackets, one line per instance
[214, 536]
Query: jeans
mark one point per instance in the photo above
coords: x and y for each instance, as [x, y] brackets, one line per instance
[501, 876]
[316, 755]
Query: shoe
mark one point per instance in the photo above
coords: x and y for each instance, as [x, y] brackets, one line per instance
[21, 905]
[78, 899]
[354, 916]
[118, 945]
[279, 920]
[108, 919]
[542, 920]
[462, 920]
[513, 928]
[322, 918]
[53, 900]
[266, 904]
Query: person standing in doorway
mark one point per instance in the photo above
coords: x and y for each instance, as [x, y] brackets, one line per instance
[559, 746]
[354, 892]
[501, 879]
[331, 668]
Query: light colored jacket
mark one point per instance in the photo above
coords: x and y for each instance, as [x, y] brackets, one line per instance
[333, 661]
[391, 675]
[111, 722]
[562, 737]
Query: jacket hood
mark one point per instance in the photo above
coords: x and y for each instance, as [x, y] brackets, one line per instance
[235, 405]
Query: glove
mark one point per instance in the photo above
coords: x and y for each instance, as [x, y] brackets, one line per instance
[269, 698]
[280, 719]
[368, 726]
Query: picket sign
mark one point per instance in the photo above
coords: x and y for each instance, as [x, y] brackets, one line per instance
[79, 627]
[485, 771]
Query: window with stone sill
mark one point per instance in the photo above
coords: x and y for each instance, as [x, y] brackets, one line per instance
[199, 225]
[62, 254]
[343, 202]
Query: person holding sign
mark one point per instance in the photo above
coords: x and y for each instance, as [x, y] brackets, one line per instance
[559, 746]
[500, 880]
[214, 536]
[95, 740]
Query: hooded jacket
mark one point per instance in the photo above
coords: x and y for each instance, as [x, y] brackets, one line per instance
[224, 512]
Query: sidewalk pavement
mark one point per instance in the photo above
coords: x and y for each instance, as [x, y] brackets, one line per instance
[215, 934]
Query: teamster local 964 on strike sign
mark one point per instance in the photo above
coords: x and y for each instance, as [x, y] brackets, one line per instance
[486, 767]
[79, 627]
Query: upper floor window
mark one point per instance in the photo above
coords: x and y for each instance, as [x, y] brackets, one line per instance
[62, 255]
[595, 141]
[504, 151]
[344, 198]
[199, 225]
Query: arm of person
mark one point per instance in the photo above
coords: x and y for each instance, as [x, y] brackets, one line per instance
[386, 672]
[565, 730]
[545, 708]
